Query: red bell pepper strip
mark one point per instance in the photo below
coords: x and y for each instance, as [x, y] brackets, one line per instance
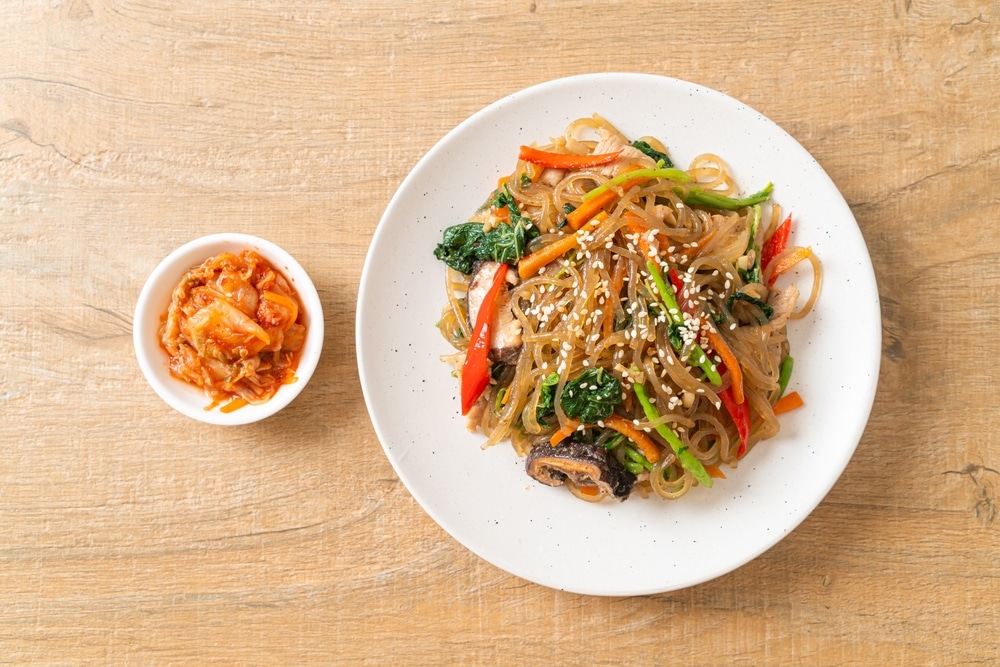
[740, 412]
[675, 280]
[564, 160]
[476, 369]
[777, 243]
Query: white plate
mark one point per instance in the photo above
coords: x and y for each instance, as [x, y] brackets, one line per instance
[484, 499]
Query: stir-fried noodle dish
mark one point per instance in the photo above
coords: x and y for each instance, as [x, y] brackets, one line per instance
[621, 320]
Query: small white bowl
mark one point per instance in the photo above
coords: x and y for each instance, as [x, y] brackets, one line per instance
[152, 306]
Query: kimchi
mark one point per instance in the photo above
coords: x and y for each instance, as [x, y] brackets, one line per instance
[234, 328]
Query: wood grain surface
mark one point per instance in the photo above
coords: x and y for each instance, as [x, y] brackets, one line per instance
[132, 535]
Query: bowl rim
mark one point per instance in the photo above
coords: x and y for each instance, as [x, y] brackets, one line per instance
[152, 302]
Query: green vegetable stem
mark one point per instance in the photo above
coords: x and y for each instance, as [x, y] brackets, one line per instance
[688, 461]
[697, 356]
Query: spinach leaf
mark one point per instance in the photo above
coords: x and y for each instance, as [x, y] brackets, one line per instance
[653, 153]
[504, 199]
[751, 275]
[675, 337]
[465, 243]
[460, 246]
[591, 396]
[504, 243]
[546, 401]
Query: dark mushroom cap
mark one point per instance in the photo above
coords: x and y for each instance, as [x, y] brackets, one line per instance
[582, 464]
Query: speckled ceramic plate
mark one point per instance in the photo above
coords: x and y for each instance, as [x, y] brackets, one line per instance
[484, 498]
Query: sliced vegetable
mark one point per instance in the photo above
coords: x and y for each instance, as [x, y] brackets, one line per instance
[785, 262]
[721, 347]
[639, 175]
[632, 466]
[740, 412]
[625, 426]
[588, 209]
[659, 157]
[697, 356]
[675, 280]
[729, 362]
[617, 281]
[591, 396]
[592, 205]
[635, 227]
[785, 374]
[465, 243]
[688, 461]
[788, 402]
[530, 265]
[695, 196]
[715, 471]
[565, 160]
[752, 273]
[636, 456]
[563, 432]
[476, 369]
[777, 243]
[545, 407]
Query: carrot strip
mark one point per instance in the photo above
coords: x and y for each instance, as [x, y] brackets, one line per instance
[590, 207]
[720, 345]
[625, 426]
[634, 225]
[565, 160]
[589, 490]
[617, 282]
[696, 247]
[714, 471]
[530, 264]
[564, 432]
[534, 171]
[788, 402]
[234, 404]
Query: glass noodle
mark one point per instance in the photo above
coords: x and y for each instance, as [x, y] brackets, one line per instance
[599, 306]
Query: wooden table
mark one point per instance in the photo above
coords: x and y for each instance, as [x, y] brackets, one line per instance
[130, 534]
